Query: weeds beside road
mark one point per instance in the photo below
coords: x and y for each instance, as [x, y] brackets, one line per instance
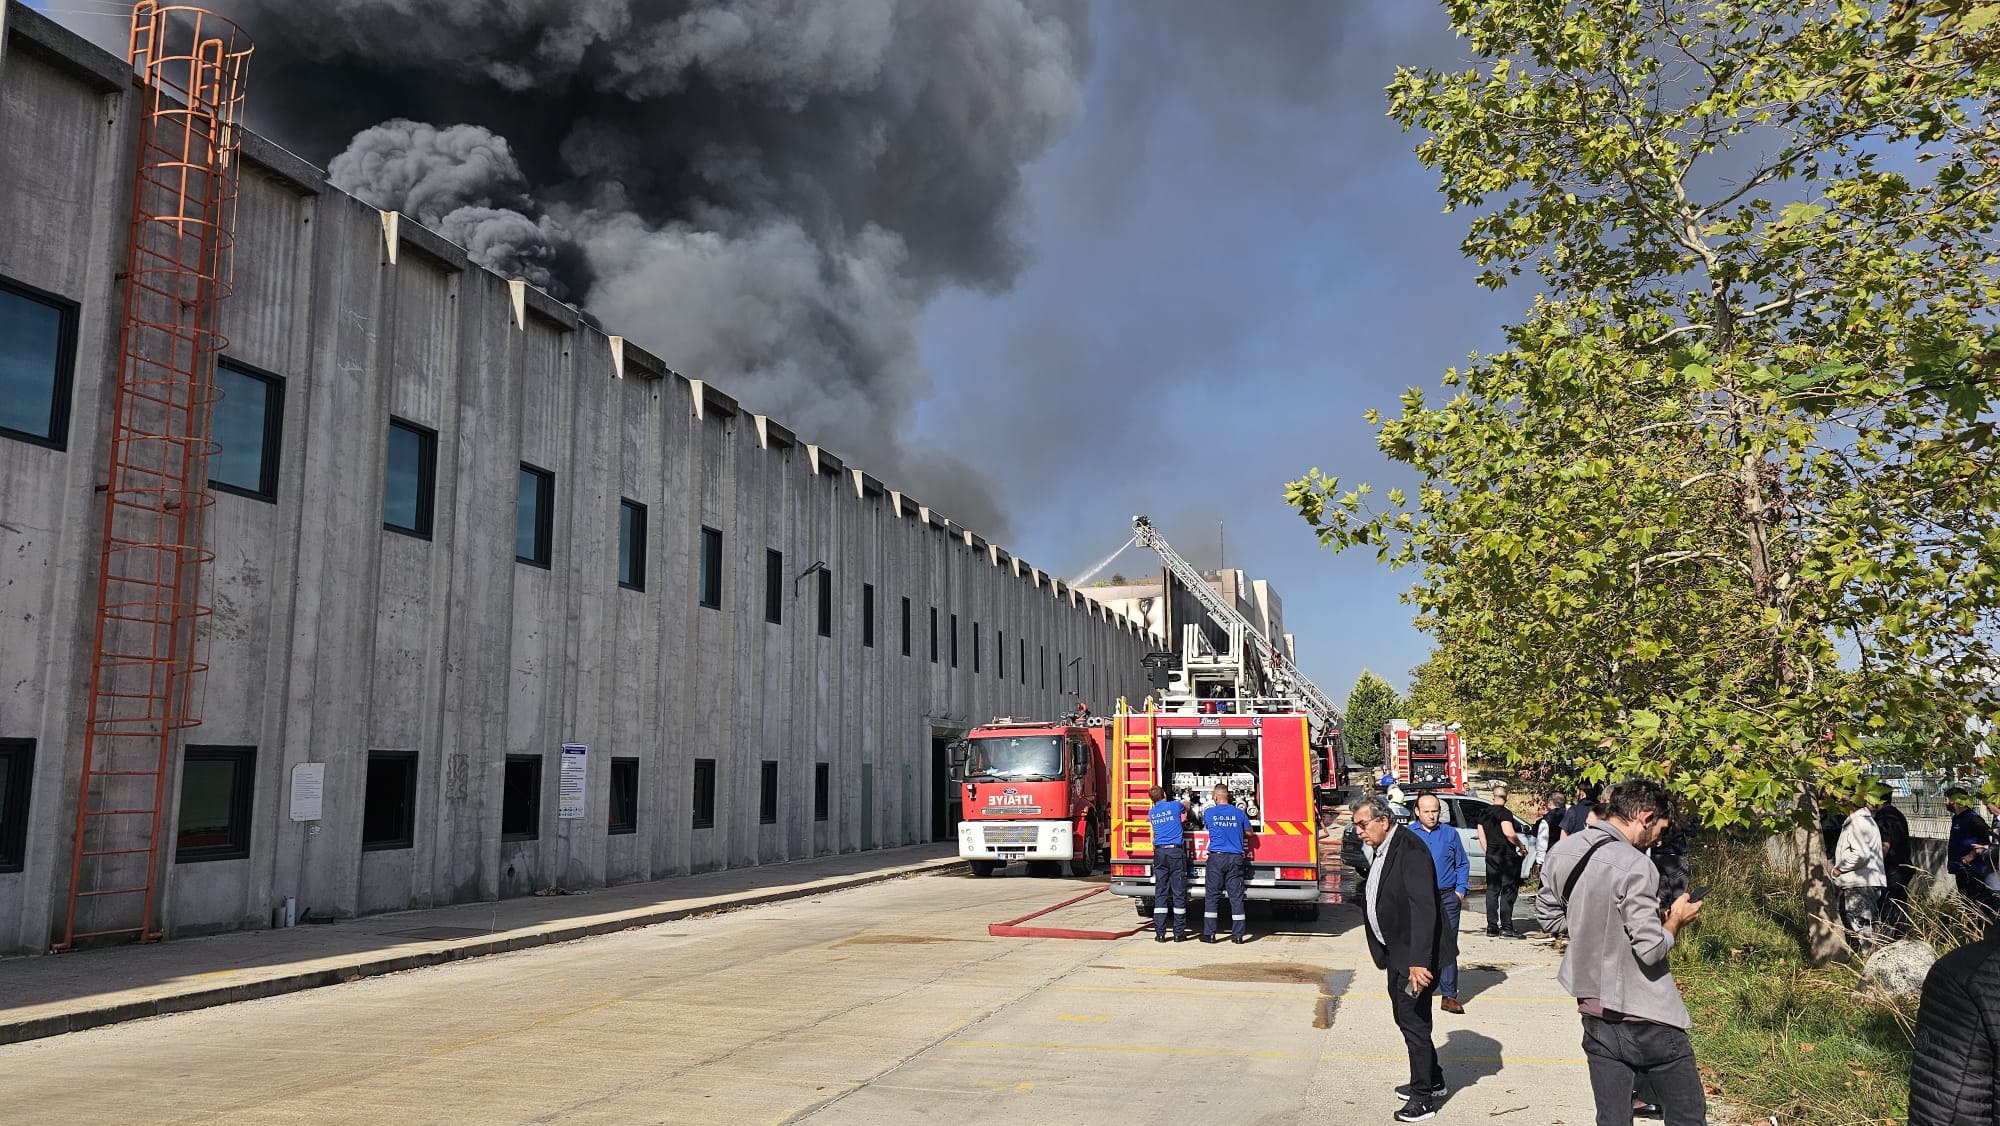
[1774, 1034]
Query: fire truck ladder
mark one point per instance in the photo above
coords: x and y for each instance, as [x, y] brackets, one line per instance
[1284, 674]
[146, 664]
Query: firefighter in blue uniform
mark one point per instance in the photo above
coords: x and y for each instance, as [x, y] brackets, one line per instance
[1170, 864]
[1226, 825]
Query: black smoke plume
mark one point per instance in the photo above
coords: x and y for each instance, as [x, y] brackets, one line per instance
[765, 192]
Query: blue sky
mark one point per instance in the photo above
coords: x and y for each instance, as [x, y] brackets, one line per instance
[1233, 255]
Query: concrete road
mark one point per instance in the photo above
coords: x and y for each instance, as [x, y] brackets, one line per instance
[881, 1004]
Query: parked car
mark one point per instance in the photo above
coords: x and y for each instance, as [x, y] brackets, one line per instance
[1463, 812]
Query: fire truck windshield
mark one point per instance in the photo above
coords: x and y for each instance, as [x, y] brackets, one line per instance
[1018, 758]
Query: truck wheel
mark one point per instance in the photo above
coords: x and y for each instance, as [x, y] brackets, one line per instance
[1086, 857]
[1145, 907]
[984, 868]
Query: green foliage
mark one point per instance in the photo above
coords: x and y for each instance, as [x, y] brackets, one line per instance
[1774, 1034]
[1728, 503]
[1371, 704]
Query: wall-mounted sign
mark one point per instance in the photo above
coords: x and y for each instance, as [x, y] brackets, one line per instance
[570, 788]
[308, 790]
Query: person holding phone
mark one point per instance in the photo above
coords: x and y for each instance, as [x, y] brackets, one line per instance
[1599, 888]
[1409, 941]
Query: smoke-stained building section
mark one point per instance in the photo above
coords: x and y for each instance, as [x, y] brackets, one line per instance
[458, 527]
[803, 176]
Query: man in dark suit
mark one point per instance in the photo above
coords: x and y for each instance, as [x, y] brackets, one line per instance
[1408, 938]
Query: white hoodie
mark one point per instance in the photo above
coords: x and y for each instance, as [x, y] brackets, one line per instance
[1858, 853]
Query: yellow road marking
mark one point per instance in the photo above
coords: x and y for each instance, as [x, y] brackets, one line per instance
[559, 1017]
[1399, 1057]
[992, 1086]
[1086, 1018]
[1137, 1049]
[219, 973]
[1167, 989]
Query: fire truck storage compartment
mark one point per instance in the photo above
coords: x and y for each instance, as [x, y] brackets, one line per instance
[1196, 765]
[1430, 760]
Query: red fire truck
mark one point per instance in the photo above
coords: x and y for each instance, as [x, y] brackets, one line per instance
[1424, 758]
[1262, 751]
[1034, 791]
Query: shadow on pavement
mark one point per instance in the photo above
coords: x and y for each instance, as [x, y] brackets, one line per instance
[1473, 982]
[1469, 1057]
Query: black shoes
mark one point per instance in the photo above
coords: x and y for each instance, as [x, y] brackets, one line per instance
[1208, 938]
[1511, 933]
[1648, 1110]
[1493, 932]
[1159, 938]
[1239, 939]
[1432, 1095]
[1416, 1110]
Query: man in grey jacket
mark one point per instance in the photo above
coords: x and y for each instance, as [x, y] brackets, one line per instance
[1599, 888]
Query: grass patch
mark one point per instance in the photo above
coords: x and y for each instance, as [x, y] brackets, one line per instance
[1774, 1034]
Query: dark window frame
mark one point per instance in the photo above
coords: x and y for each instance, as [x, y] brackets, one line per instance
[868, 615]
[709, 579]
[64, 389]
[704, 793]
[634, 576]
[1024, 662]
[274, 432]
[17, 763]
[934, 635]
[825, 602]
[975, 647]
[954, 641]
[534, 831]
[406, 831]
[545, 517]
[426, 480]
[621, 806]
[767, 792]
[906, 627]
[822, 790]
[242, 804]
[774, 586]
[1000, 654]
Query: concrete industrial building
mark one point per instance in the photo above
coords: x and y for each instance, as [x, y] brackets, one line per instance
[459, 528]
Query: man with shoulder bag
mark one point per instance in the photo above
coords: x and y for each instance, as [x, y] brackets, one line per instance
[1600, 890]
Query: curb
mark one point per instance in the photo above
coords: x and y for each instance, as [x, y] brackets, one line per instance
[505, 943]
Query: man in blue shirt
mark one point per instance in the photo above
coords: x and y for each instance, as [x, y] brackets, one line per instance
[1227, 826]
[1170, 864]
[1969, 853]
[1454, 873]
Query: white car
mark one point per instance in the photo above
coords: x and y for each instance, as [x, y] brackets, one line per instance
[1464, 812]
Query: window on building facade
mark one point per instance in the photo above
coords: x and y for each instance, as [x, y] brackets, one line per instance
[704, 793]
[825, 602]
[37, 364]
[217, 788]
[1024, 661]
[248, 427]
[1000, 653]
[521, 799]
[631, 545]
[410, 479]
[711, 568]
[389, 801]
[934, 635]
[822, 789]
[17, 775]
[535, 516]
[623, 816]
[867, 615]
[774, 586]
[767, 792]
[1042, 662]
[975, 647]
[906, 627]
[954, 641]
